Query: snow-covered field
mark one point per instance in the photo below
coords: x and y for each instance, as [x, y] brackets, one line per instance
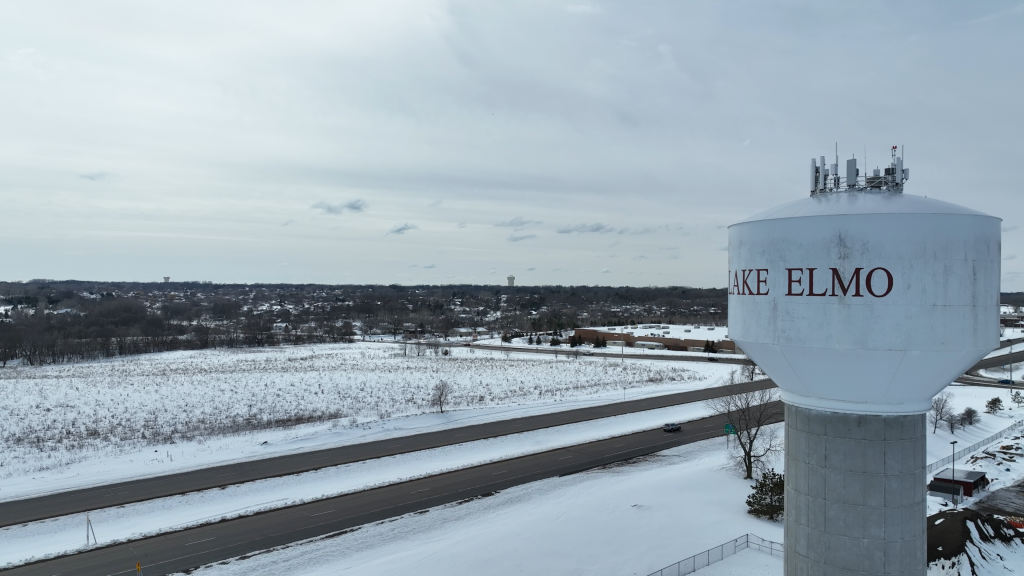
[62, 535]
[623, 519]
[83, 424]
[76, 425]
[988, 424]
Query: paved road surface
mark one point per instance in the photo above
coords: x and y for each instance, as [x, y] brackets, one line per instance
[76, 501]
[191, 548]
[998, 361]
[1009, 342]
[1007, 501]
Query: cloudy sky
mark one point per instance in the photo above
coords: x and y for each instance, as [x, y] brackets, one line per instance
[435, 141]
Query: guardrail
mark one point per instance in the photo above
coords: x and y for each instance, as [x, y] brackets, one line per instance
[960, 454]
[719, 553]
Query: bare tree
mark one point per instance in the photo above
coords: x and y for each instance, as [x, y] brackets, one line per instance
[942, 409]
[751, 372]
[749, 414]
[953, 422]
[441, 394]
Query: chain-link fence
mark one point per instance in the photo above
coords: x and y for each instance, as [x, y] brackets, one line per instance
[960, 454]
[719, 553]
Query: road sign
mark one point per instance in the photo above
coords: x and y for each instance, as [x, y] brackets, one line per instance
[729, 429]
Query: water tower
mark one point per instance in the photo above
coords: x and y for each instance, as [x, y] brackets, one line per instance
[862, 303]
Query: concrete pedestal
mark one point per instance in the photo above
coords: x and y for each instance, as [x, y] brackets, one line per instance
[855, 494]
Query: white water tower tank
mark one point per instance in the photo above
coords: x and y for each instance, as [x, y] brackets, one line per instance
[862, 303]
[866, 301]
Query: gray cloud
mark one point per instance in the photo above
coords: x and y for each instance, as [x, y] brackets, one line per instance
[1010, 257]
[94, 176]
[402, 228]
[584, 8]
[518, 223]
[356, 205]
[1008, 228]
[520, 238]
[430, 266]
[654, 230]
[596, 228]
[583, 120]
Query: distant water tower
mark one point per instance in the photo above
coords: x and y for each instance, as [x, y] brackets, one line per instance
[167, 278]
[511, 280]
[862, 303]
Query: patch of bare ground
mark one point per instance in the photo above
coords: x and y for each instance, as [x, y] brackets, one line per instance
[966, 536]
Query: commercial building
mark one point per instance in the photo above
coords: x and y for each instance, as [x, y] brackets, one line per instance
[590, 335]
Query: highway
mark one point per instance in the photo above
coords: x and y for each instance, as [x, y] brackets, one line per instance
[187, 549]
[998, 361]
[76, 501]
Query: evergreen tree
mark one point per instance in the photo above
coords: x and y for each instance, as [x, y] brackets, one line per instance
[1018, 399]
[768, 499]
[994, 405]
[530, 341]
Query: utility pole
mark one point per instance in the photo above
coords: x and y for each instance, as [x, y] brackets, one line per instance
[88, 529]
[953, 474]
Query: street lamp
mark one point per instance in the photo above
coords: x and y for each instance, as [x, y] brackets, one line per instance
[953, 475]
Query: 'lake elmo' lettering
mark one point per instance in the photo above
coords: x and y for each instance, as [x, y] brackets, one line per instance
[814, 282]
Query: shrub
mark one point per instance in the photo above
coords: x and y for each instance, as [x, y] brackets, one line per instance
[994, 405]
[768, 499]
[969, 417]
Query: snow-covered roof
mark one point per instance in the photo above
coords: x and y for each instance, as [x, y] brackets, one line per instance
[964, 475]
[861, 202]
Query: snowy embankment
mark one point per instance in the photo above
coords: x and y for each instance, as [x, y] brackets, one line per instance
[76, 425]
[1014, 371]
[62, 535]
[631, 518]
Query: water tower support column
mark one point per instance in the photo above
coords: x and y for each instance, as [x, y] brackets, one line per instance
[855, 493]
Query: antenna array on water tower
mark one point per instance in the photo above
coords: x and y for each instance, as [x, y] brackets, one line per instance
[825, 179]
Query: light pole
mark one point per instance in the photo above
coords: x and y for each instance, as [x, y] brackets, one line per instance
[953, 474]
